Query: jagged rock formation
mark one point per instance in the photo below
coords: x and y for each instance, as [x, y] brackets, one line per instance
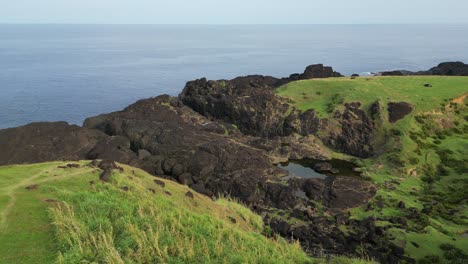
[251, 104]
[353, 130]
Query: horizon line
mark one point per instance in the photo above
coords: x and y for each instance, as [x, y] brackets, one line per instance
[231, 24]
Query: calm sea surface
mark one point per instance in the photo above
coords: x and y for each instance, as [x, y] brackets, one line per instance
[70, 72]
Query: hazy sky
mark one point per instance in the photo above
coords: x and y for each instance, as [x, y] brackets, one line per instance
[234, 11]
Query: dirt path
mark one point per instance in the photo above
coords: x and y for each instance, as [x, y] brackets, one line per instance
[460, 99]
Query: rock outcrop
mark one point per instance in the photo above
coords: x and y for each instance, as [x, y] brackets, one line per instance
[183, 145]
[398, 110]
[446, 68]
[449, 69]
[353, 130]
[251, 104]
[47, 141]
[255, 110]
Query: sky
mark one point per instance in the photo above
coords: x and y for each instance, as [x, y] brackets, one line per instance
[234, 11]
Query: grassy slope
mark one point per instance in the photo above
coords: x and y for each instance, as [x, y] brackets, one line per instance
[415, 146]
[318, 93]
[68, 220]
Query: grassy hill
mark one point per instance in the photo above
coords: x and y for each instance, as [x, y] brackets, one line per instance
[51, 214]
[321, 94]
[423, 174]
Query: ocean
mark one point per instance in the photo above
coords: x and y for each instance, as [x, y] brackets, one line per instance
[70, 72]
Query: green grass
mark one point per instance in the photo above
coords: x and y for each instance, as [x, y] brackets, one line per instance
[68, 220]
[318, 93]
[416, 142]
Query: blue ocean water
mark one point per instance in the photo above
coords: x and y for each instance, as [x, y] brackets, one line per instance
[70, 72]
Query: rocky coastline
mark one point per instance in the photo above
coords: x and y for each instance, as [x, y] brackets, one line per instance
[224, 137]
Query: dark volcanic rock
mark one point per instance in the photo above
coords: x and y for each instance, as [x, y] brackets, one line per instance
[392, 73]
[354, 130]
[105, 175]
[113, 148]
[40, 142]
[250, 103]
[445, 68]
[450, 69]
[323, 166]
[397, 111]
[338, 193]
[143, 154]
[189, 195]
[181, 142]
[107, 166]
[319, 71]
[160, 183]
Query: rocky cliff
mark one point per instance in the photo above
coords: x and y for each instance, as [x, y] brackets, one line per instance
[224, 138]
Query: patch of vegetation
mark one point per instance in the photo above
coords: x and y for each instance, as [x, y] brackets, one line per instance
[70, 216]
[337, 99]
[320, 92]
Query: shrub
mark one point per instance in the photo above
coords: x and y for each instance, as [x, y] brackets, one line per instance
[420, 119]
[413, 136]
[396, 132]
[337, 99]
[454, 254]
[428, 179]
[442, 170]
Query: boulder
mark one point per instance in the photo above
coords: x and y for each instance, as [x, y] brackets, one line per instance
[319, 71]
[143, 154]
[323, 166]
[115, 148]
[398, 110]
